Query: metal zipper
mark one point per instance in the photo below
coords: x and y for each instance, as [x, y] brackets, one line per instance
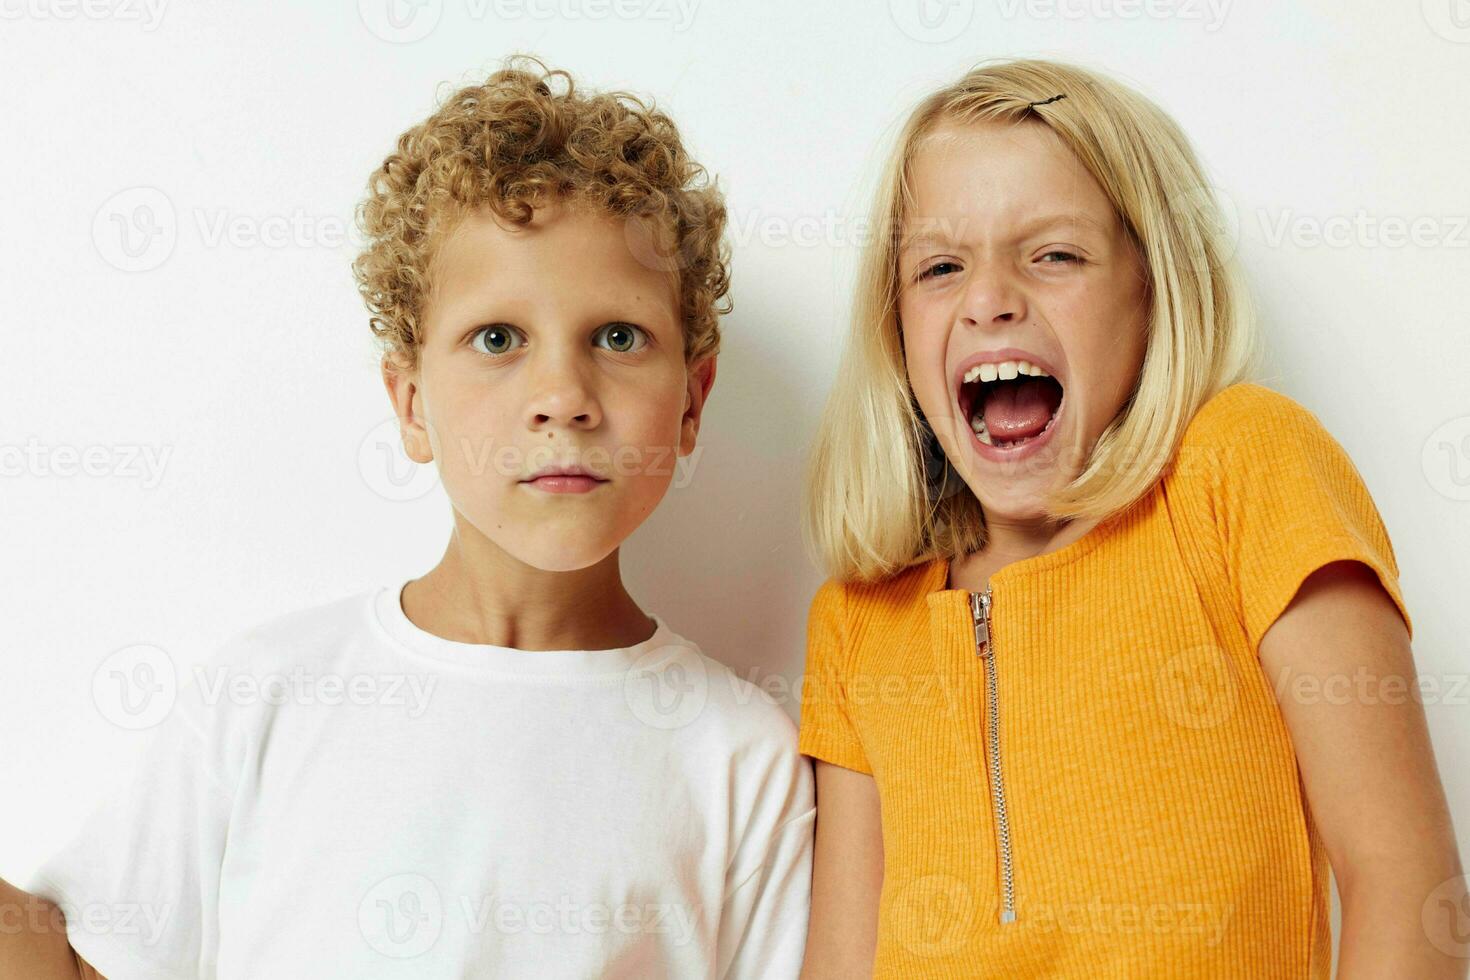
[985, 650]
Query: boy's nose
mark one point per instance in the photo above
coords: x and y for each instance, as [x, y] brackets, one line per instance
[563, 398]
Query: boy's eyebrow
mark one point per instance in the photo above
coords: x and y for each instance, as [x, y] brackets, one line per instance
[480, 311]
[927, 236]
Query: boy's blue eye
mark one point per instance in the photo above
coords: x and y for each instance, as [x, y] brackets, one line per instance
[499, 338]
[623, 338]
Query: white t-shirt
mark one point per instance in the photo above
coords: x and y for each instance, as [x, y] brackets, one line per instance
[338, 793]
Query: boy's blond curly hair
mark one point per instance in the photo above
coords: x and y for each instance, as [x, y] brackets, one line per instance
[516, 142]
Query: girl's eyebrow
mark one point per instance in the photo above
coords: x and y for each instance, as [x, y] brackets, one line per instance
[926, 236]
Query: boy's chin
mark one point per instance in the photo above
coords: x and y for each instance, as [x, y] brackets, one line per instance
[560, 556]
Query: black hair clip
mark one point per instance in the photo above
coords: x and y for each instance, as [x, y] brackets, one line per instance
[1033, 105]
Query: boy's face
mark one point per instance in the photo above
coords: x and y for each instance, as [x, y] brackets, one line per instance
[1013, 249]
[550, 346]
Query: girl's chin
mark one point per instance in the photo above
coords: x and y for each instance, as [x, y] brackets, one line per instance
[1016, 486]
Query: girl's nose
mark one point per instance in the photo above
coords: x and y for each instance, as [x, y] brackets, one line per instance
[990, 297]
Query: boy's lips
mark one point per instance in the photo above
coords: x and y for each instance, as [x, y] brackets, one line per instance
[564, 479]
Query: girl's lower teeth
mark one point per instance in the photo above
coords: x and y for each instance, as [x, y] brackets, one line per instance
[977, 425]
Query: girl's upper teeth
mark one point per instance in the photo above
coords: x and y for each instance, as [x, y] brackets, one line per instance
[1004, 370]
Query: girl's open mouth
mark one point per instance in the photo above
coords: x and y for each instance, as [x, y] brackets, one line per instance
[1007, 414]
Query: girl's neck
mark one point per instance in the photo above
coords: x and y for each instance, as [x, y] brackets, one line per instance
[1012, 541]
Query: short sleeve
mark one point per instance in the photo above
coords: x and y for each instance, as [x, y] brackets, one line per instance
[139, 883]
[827, 731]
[1288, 500]
[767, 903]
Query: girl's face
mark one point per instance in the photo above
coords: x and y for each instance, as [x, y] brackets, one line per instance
[1011, 253]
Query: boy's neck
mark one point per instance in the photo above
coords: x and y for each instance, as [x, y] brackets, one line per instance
[492, 598]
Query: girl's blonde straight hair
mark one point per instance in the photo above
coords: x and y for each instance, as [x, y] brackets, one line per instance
[870, 508]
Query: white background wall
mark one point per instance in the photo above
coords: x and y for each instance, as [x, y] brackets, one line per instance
[243, 369]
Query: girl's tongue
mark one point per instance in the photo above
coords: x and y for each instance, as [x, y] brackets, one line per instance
[1020, 408]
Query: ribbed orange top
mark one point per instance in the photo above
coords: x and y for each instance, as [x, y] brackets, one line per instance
[1147, 794]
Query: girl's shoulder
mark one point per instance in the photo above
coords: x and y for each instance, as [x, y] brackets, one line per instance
[1247, 433]
[853, 607]
[1271, 495]
[1246, 409]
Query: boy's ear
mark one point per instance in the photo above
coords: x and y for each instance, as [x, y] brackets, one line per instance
[403, 392]
[701, 378]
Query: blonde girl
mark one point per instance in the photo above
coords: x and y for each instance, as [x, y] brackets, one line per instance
[1085, 575]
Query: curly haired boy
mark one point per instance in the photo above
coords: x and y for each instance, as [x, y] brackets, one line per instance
[502, 767]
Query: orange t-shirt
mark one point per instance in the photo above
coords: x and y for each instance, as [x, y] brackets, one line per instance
[1145, 817]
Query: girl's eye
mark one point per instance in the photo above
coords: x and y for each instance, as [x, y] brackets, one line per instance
[623, 338]
[1066, 257]
[937, 269]
[499, 338]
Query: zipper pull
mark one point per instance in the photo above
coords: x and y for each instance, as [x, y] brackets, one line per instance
[980, 613]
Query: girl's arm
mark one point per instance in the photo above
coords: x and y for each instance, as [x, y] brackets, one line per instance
[847, 876]
[1340, 663]
[35, 944]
